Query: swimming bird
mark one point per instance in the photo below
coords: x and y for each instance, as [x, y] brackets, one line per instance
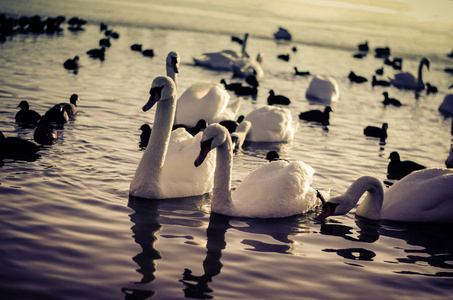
[144, 136]
[398, 169]
[45, 133]
[232, 125]
[62, 112]
[376, 81]
[423, 196]
[277, 99]
[355, 78]
[105, 42]
[382, 52]
[273, 156]
[267, 124]
[380, 71]
[193, 130]
[97, 53]
[363, 47]
[273, 190]
[374, 131]
[237, 40]
[17, 148]
[148, 52]
[25, 116]
[231, 86]
[72, 64]
[316, 115]
[136, 47]
[246, 66]
[431, 89]
[284, 57]
[390, 101]
[300, 73]
[282, 34]
[323, 89]
[166, 168]
[407, 81]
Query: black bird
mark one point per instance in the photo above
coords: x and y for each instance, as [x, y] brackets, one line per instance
[103, 26]
[277, 99]
[115, 35]
[390, 101]
[317, 115]
[25, 116]
[136, 47]
[200, 126]
[382, 52]
[231, 86]
[380, 71]
[359, 55]
[144, 136]
[376, 131]
[430, 89]
[237, 40]
[363, 47]
[284, 57]
[397, 169]
[104, 42]
[72, 64]
[273, 156]
[232, 125]
[76, 23]
[45, 133]
[148, 52]
[356, 78]
[379, 82]
[246, 91]
[300, 73]
[97, 53]
[17, 148]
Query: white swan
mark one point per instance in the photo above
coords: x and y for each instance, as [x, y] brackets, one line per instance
[245, 67]
[422, 196]
[166, 168]
[223, 60]
[447, 105]
[407, 81]
[274, 190]
[323, 89]
[267, 124]
[202, 100]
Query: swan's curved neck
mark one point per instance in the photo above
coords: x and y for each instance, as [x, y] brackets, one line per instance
[420, 83]
[221, 198]
[171, 73]
[151, 165]
[371, 206]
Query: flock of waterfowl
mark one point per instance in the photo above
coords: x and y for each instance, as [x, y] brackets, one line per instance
[196, 132]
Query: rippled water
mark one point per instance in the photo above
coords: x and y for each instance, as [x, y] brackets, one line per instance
[68, 229]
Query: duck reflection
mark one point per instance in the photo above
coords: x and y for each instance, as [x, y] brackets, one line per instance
[218, 225]
[368, 230]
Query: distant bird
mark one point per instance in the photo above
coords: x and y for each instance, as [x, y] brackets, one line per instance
[277, 99]
[363, 47]
[148, 52]
[231, 86]
[407, 81]
[115, 35]
[136, 47]
[103, 26]
[273, 156]
[376, 131]
[382, 52]
[430, 89]
[62, 112]
[104, 42]
[300, 73]
[380, 71]
[237, 40]
[448, 70]
[375, 82]
[72, 64]
[356, 78]
[193, 130]
[359, 55]
[397, 63]
[76, 23]
[71, 107]
[294, 49]
[390, 101]
[246, 91]
[25, 116]
[232, 125]
[317, 115]
[45, 133]
[144, 136]
[17, 148]
[284, 57]
[97, 53]
[397, 169]
[282, 34]
[243, 90]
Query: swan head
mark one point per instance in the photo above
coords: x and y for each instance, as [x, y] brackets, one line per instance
[424, 61]
[213, 136]
[173, 61]
[162, 88]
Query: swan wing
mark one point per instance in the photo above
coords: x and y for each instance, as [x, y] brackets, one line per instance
[179, 176]
[422, 196]
[323, 88]
[271, 124]
[404, 80]
[276, 189]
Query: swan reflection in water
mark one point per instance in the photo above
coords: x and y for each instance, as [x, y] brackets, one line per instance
[428, 246]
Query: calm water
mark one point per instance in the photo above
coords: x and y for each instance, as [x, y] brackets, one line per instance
[68, 229]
